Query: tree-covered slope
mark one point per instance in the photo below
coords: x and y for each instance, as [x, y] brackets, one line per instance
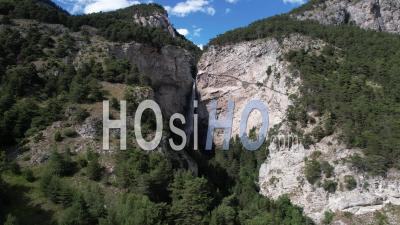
[115, 26]
[41, 10]
[52, 80]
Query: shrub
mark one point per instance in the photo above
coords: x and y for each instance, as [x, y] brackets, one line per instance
[70, 132]
[307, 141]
[327, 169]
[330, 186]
[79, 115]
[269, 70]
[315, 154]
[82, 163]
[318, 133]
[373, 164]
[328, 218]
[28, 174]
[57, 136]
[312, 171]
[60, 164]
[350, 182]
[93, 169]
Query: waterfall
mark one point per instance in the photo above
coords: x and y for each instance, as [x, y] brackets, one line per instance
[190, 113]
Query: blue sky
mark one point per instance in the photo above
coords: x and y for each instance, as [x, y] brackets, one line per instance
[198, 20]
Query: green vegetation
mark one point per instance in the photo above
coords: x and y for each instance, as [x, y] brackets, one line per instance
[31, 98]
[350, 182]
[330, 186]
[355, 80]
[312, 171]
[144, 174]
[328, 217]
[41, 10]
[327, 169]
[233, 175]
[57, 136]
[115, 26]
[152, 189]
[93, 168]
[137, 210]
[70, 132]
[358, 78]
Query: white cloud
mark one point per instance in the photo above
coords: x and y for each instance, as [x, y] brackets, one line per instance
[197, 31]
[232, 1]
[91, 6]
[107, 5]
[182, 9]
[183, 31]
[299, 2]
[200, 46]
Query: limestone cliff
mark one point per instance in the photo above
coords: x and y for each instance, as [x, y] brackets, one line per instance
[156, 20]
[250, 70]
[380, 15]
[258, 70]
[169, 69]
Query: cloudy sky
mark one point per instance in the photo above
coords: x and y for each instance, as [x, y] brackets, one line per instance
[198, 20]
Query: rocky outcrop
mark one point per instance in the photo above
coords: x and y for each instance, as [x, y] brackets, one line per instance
[157, 20]
[247, 71]
[379, 15]
[258, 70]
[284, 174]
[169, 69]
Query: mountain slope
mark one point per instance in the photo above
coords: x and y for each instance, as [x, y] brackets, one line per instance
[379, 15]
[337, 98]
[53, 170]
[123, 25]
[55, 71]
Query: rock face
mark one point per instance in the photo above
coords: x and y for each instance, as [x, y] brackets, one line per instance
[284, 173]
[169, 69]
[380, 15]
[157, 20]
[247, 71]
[258, 70]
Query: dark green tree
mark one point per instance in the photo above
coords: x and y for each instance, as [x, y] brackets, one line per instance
[191, 199]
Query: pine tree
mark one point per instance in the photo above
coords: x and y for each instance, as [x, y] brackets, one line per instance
[190, 199]
[93, 168]
[78, 213]
[60, 164]
[136, 209]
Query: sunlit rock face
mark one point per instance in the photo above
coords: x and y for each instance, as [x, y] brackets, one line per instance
[258, 70]
[157, 20]
[379, 15]
[247, 71]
